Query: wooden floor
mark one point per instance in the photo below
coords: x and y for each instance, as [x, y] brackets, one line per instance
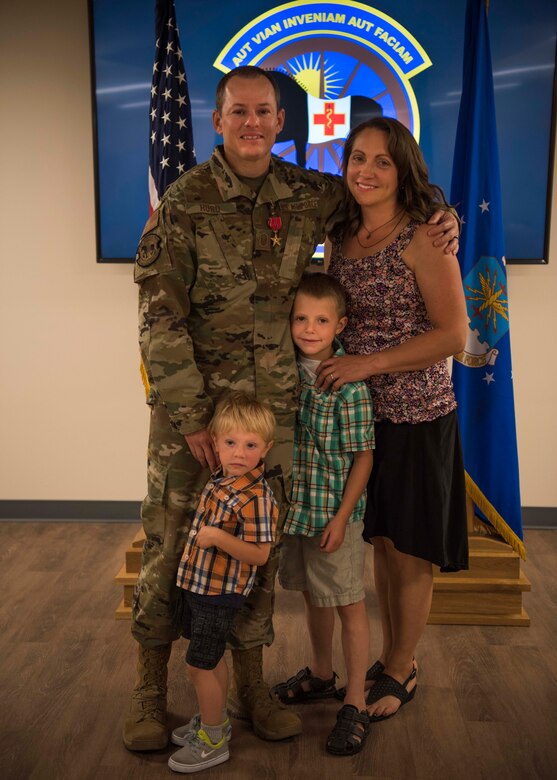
[486, 706]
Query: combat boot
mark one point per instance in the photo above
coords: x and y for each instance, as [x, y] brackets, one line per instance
[145, 726]
[251, 699]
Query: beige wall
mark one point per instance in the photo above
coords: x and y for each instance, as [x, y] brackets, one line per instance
[73, 422]
[73, 425]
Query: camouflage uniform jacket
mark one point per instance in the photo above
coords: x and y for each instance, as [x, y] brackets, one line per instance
[216, 290]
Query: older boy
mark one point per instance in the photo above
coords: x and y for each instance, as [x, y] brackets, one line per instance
[323, 548]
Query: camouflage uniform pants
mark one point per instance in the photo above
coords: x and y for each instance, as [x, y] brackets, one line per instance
[175, 481]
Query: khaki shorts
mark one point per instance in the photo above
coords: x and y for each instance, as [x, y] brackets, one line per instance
[331, 579]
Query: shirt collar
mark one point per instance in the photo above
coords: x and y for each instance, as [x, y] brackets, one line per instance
[239, 484]
[306, 376]
[230, 186]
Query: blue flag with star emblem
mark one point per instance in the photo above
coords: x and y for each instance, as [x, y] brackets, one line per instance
[171, 150]
[482, 372]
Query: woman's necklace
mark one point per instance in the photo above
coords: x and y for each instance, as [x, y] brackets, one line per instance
[391, 231]
[369, 232]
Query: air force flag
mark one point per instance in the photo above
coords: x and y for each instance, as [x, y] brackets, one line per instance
[482, 373]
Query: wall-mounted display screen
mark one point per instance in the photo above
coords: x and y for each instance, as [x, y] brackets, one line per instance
[350, 59]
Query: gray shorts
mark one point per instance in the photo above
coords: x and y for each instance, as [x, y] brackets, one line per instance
[331, 579]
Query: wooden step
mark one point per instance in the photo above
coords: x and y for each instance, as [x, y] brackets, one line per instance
[123, 612]
[483, 543]
[474, 619]
[486, 603]
[489, 593]
[128, 595]
[486, 564]
[479, 600]
[125, 577]
[133, 553]
[133, 559]
[463, 584]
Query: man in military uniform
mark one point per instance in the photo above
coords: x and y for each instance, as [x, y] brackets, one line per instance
[217, 267]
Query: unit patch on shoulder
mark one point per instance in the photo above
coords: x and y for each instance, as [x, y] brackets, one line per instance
[148, 250]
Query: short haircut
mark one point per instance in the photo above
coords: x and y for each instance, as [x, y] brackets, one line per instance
[239, 411]
[245, 72]
[320, 285]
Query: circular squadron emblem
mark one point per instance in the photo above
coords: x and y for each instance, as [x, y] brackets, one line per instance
[148, 250]
[337, 64]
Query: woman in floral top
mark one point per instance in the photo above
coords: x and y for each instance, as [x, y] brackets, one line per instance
[406, 315]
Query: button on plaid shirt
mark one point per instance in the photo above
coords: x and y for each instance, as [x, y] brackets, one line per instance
[242, 506]
[330, 426]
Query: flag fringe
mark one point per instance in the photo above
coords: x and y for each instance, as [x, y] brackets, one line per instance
[144, 379]
[494, 517]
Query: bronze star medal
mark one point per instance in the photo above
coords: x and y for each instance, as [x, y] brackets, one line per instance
[275, 223]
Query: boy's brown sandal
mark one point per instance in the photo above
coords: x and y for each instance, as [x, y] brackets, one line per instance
[293, 692]
[349, 733]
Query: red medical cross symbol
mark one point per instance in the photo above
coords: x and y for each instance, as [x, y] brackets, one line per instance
[329, 119]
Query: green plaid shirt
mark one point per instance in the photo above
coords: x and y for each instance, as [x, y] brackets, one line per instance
[330, 426]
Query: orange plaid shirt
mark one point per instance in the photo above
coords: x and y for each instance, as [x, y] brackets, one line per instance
[243, 506]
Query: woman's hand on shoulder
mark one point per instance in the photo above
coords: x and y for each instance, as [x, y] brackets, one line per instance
[335, 372]
[421, 246]
[443, 230]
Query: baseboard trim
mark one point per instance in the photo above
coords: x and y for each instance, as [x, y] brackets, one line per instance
[535, 517]
[539, 517]
[72, 511]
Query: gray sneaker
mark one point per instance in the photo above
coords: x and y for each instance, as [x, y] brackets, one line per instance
[180, 735]
[198, 753]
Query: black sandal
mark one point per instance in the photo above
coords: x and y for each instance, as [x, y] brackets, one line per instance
[350, 732]
[385, 685]
[292, 692]
[372, 674]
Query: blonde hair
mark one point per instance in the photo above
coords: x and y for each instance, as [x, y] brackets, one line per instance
[238, 410]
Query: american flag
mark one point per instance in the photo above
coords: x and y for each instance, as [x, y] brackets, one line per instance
[171, 150]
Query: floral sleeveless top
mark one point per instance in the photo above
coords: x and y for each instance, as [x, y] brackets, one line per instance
[385, 308]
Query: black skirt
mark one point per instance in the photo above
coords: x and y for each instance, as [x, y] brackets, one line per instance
[416, 493]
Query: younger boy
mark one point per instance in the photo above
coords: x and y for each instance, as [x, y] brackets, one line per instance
[323, 549]
[231, 535]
